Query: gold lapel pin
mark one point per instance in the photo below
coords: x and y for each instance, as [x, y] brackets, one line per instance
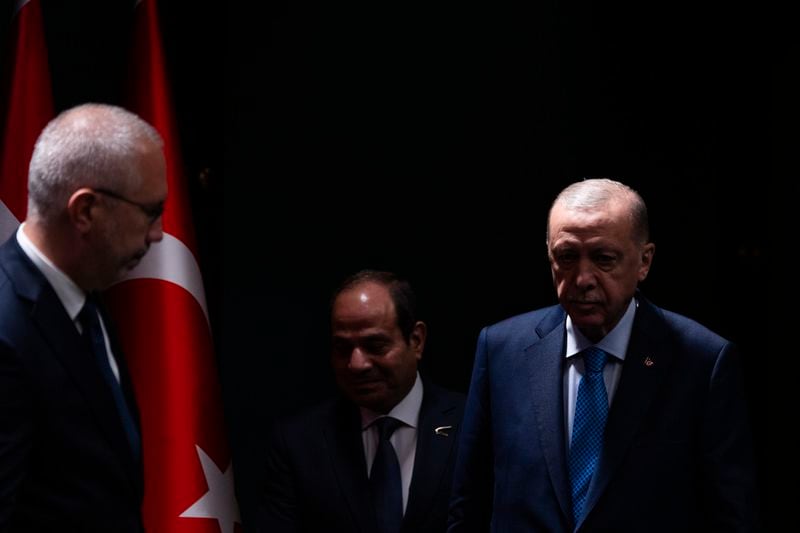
[442, 430]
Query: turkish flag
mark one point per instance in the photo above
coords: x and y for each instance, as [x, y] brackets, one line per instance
[28, 109]
[160, 310]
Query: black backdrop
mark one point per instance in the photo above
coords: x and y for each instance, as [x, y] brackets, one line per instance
[430, 140]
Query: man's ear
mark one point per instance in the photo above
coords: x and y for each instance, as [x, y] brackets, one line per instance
[418, 335]
[79, 209]
[648, 251]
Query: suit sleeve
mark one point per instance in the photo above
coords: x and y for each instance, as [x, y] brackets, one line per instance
[728, 462]
[15, 430]
[278, 506]
[471, 501]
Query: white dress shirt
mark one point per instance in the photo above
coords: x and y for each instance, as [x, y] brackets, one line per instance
[71, 296]
[615, 344]
[404, 438]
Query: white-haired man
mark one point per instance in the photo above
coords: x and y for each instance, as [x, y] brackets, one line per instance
[70, 447]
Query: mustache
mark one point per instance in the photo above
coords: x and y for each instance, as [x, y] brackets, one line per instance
[364, 377]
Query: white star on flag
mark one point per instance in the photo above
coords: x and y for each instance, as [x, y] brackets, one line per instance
[219, 502]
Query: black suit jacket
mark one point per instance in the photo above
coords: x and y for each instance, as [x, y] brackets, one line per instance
[316, 478]
[65, 464]
[676, 454]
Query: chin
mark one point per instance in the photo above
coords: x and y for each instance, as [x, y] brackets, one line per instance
[588, 322]
[585, 317]
[373, 402]
[132, 263]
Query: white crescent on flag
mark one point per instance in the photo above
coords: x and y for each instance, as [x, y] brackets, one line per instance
[169, 260]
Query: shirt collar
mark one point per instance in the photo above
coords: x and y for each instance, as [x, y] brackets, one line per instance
[71, 296]
[406, 411]
[614, 343]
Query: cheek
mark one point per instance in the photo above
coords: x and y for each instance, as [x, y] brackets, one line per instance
[339, 364]
[617, 286]
[403, 366]
[561, 282]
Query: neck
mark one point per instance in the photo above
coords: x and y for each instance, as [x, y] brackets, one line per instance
[57, 245]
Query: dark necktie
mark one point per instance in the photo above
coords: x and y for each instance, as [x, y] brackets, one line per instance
[384, 479]
[591, 411]
[93, 332]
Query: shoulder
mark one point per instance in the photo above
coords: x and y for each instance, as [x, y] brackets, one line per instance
[15, 311]
[690, 329]
[305, 424]
[517, 332]
[679, 328]
[19, 280]
[10, 255]
[440, 396]
[530, 320]
[7, 293]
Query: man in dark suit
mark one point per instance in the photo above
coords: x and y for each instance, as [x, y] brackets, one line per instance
[326, 468]
[604, 413]
[70, 452]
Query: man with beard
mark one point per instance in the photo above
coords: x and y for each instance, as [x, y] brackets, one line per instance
[379, 458]
[70, 449]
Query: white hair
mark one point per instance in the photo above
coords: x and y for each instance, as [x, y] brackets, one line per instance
[90, 145]
[594, 193]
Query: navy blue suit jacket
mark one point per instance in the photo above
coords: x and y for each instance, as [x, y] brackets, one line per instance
[316, 478]
[676, 455]
[65, 464]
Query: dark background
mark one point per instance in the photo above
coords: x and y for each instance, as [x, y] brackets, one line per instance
[430, 140]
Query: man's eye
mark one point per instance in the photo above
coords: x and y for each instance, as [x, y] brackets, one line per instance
[378, 348]
[605, 260]
[566, 258]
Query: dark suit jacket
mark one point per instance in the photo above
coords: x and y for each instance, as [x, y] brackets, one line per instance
[676, 454]
[316, 478]
[65, 464]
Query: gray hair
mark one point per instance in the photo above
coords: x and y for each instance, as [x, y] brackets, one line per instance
[90, 145]
[593, 193]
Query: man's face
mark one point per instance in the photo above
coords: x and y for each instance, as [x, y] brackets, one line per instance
[374, 365]
[135, 222]
[596, 265]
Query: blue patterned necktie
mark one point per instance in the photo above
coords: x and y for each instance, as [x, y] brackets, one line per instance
[93, 332]
[591, 411]
[384, 479]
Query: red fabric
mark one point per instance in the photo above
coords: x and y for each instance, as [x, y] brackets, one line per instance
[168, 347]
[150, 98]
[164, 332]
[29, 106]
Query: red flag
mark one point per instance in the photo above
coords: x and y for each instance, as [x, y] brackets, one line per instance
[27, 111]
[161, 313]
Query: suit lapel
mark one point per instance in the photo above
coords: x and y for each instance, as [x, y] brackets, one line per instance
[343, 438]
[646, 364]
[59, 333]
[432, 454]
[545, 378]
